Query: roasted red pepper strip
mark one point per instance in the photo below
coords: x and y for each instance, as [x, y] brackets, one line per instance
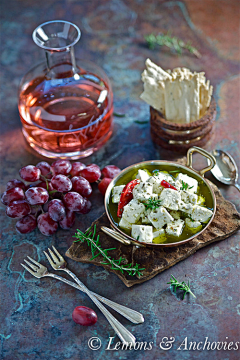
[166, 185]
[126, 196]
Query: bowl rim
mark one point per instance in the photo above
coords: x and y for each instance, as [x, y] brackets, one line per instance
[153, 162]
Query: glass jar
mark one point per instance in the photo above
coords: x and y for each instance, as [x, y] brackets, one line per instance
[65, 104]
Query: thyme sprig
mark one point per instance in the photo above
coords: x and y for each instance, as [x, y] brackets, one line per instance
[172, 42]
[152, 204]
[120, 115]
[185, 186]
[93, 241]
[181, 286]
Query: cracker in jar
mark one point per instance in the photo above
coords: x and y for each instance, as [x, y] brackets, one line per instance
[182, 99]
[153, 78]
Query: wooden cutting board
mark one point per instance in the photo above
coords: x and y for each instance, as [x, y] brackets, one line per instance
[225, 223]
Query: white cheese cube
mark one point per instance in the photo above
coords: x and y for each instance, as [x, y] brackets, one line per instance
[157, 188]
[193, 225]
[143, 191]
[144, 217]
[178, 184]
[116, 193]
[175, 228]
[165, 176]
[188, 197]
[175, 214]
[124, 224]
[159, 217]
[132, 211]
[157, 179]
[142, 175]
[142, 233]
[187, 208]
[201, 213]
[170, 199]
[191, 182]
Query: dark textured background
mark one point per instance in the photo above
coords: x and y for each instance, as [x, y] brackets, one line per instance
[36, 315]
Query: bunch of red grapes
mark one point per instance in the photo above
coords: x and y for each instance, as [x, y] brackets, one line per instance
[53, 194]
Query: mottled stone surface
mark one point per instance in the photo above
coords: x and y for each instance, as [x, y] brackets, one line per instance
[35, 321]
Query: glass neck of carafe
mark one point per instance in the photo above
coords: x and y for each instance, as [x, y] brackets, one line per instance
[61, 64]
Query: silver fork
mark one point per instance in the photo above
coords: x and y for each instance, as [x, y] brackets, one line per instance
[39, 271]
[58, 263]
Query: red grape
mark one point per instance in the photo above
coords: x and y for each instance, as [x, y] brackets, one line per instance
[37, 196]
[56, 210]
[86, 207]
[92, 173]
[43, 184]
[85, 316]
[103, 185]
[110, 171]
[61, 183]
[82, 186]
[46, 225]
[61, 167]
[26, 224]
[12, 195]
[73, 201]
[76, 168]
[30, 173]
[45, 169]
[68, 221]
[18, 209]
[15, 183]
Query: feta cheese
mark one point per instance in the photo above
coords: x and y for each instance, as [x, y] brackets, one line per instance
[175, 214]
[157, 188]
[187, 208]
[144, 217]
[192, 183]
[116, 193]
[143, 191]
[193, 226]
[142, 233]
[132, 211]
[159, 217]
[124, 224]
[142, 175]
[188, 197]
[170, 199]
[175, 228]
[201, 213]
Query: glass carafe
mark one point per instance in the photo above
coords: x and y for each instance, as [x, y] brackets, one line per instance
[65, 104]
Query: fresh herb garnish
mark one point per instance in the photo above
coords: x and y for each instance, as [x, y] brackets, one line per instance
[152, 204]
[181, 286]
[155, 172]
[90, 238]
[118, 114]
[185, 186]
[141, 122]
[172, 42]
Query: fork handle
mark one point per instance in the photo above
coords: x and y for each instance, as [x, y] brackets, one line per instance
[121, 331]
[130, 314]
